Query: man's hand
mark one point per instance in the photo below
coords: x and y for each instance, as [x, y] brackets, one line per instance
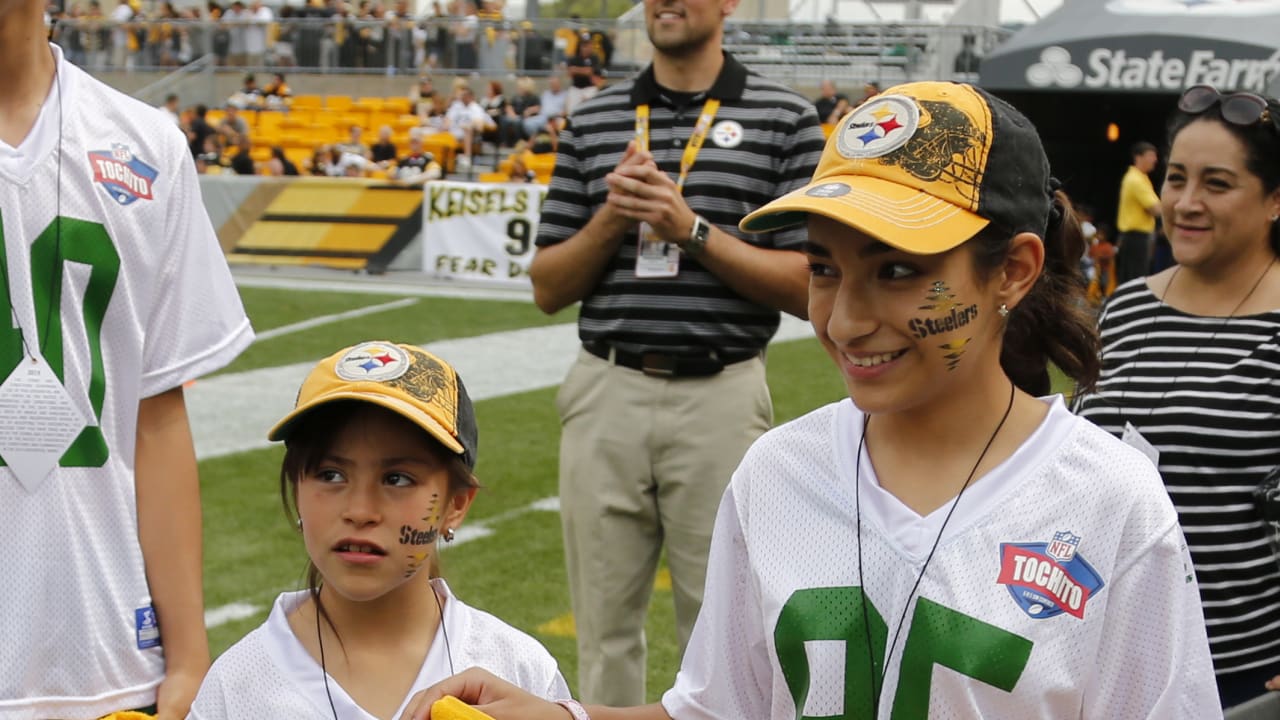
[641, 192]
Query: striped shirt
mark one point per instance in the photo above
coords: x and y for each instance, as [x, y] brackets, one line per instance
[1205, 391]
[765, 141]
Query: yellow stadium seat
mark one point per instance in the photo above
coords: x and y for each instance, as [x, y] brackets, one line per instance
[307, 102]
[337, 103]
[405, 122]
[492, 177]
[399, 105]
[260, 153]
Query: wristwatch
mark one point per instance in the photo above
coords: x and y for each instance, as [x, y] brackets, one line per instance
[697, 242]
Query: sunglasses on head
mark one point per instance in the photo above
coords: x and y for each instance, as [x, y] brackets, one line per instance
[1240, 108]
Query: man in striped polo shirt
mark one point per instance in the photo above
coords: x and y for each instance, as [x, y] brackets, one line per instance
[669, 389]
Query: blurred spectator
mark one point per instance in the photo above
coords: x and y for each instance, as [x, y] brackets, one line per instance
[236, 18]
[583, 69]
[437, 114]
[602, 48]
[383, 152]
[565, 41]
[967, 60]
[533, 52]
[546, 139]
[288, 34]
[120, 31]
[354, 144]
[199, 129]
[351, 165]
[249, 95]
[220, 39]
[233, 125]
[524, 105]
[210, 158]
[417, 166]
[277, 93]
[465, 29]
[465, 119]
[519, 172]
[420, 95]
[551, 105]
[827, 102]
[869, 91]
[320, 159]
[258, 18]
[170, 108]
[495, 106]
[242, 162]
[279, 164]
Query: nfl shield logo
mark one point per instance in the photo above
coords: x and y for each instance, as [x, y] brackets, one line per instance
[1063, 547]
[121, 152]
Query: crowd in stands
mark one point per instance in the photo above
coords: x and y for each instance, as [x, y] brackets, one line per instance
[265, 130]
[338, 34]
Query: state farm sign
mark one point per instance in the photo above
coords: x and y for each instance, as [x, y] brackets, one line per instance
[1115, 69]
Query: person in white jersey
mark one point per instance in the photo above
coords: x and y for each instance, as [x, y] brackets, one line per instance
[948, 542]
[379, 458]
[115, 295]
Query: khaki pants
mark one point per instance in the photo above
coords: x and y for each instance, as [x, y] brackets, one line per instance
[644, 460]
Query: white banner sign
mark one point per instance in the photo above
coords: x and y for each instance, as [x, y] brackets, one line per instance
[480, 232]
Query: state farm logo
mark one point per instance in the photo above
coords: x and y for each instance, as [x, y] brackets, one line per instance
[1054, 68]
[1115, 69]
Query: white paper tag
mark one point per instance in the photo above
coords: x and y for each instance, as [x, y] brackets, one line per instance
[655, 257]
[38, 422]
[1134, 438]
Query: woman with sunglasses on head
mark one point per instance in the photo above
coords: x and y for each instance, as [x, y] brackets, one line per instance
[946, 542]
[1190, 361]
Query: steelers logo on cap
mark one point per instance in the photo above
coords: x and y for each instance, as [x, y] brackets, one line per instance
[877, 128]
[828, 190]
[375, 362]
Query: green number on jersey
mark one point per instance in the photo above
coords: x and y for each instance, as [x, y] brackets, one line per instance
[81, 242]
[938, 636]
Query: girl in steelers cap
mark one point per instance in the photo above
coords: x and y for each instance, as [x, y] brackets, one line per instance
[948, 541]
[378, 465]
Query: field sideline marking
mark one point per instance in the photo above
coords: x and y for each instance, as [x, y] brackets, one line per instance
[223, 614]
[326, 319]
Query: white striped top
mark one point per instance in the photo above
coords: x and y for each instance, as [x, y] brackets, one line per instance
[1205, 391]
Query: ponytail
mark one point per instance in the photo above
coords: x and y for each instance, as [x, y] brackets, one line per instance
[1051, 324]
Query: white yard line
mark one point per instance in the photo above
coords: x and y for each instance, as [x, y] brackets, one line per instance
[326, 319]
[213, 617]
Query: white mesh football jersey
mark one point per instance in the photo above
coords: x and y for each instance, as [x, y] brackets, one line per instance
[269, 674]
[146, 303]
[1061, 588]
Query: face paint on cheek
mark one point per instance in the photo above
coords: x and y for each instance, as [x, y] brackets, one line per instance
[952, 321]
[410, 535]
[415, 563]
[939, 298]
[953, 350]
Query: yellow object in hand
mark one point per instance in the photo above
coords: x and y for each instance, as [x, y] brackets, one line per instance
[128, 715]
[451, 708]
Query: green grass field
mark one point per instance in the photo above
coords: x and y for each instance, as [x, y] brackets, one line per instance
[517, 572]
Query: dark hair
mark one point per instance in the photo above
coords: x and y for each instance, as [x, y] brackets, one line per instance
[1051, 323]
[1140, 148]
[309, 439]
[1261, 142]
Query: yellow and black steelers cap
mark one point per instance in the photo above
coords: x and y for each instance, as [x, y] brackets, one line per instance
[923, 167]
[404, 379]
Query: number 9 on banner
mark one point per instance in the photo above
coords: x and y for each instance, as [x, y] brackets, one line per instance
[451, 708]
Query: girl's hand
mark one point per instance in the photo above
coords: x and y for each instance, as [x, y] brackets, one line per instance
[1274, 683]
[489, 694]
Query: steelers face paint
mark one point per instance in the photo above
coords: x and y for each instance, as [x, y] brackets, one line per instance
[953, 350]
[421, 540]
[954, 314]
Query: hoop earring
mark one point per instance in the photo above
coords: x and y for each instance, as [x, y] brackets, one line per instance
[448, 535]
[1003, 310]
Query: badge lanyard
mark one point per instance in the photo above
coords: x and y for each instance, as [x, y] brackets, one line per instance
[656, 257]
